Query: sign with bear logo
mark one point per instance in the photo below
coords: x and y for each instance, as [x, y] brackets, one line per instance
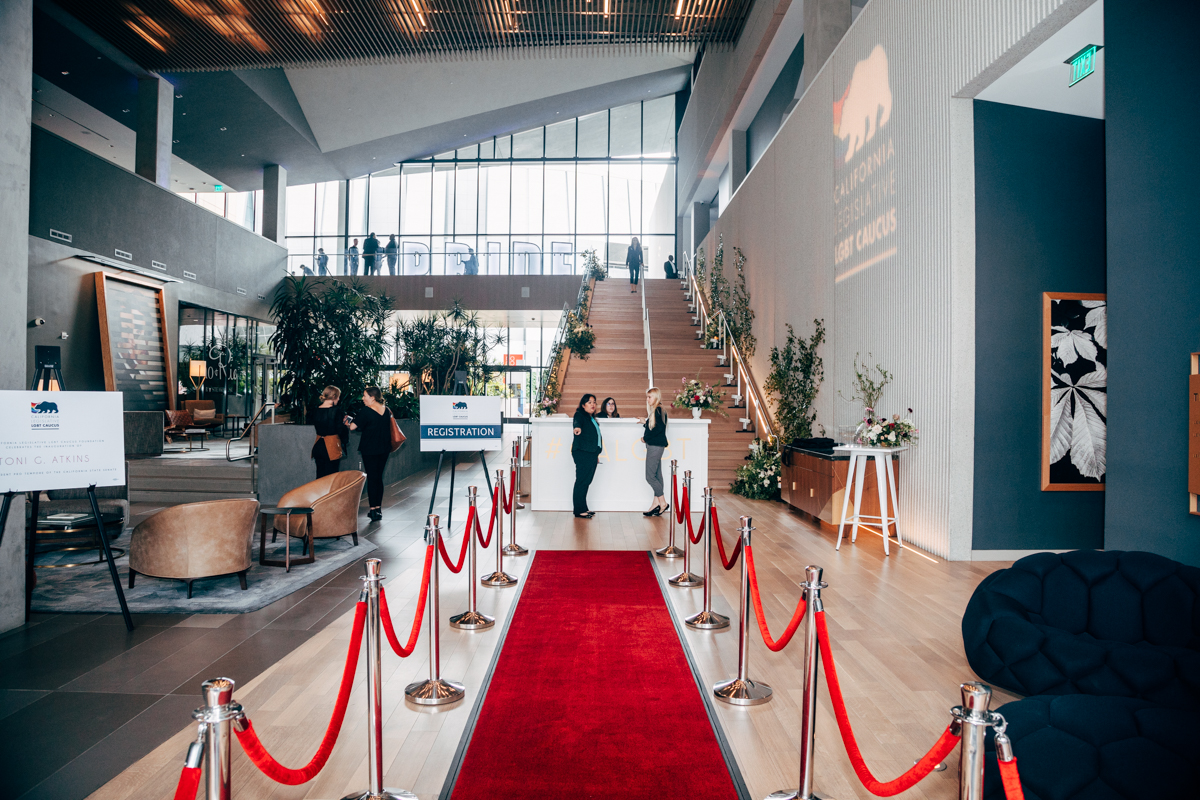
[458, 423]
[61, 440]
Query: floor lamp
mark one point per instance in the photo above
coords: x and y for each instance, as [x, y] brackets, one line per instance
[197, 369]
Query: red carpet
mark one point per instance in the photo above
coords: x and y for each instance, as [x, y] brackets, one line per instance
[592, 695]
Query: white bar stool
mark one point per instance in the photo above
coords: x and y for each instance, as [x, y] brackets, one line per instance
[885, 482]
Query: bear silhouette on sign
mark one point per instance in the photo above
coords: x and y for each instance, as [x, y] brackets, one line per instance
[866, 105]
[459, 405]
[44, 407]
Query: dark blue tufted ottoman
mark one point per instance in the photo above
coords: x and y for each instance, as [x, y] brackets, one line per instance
[1076, 747]
[1119, 624]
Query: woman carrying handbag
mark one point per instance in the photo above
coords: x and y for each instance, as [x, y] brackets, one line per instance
[332, 433]
[380, 437]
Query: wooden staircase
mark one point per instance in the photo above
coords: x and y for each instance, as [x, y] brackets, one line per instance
[677, 355]
[616, 367]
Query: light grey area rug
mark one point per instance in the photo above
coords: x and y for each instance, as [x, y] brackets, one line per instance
[89, 590]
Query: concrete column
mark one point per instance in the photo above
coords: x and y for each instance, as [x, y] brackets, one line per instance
[699, 224]
[16, 87]
[825, 23]
[738, 160]
[274, 203]
[155, 122]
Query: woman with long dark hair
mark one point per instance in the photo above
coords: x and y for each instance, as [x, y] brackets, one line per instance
[654, 436]
[608, 409]
[585, 450]
[375, 422]
[633, 260]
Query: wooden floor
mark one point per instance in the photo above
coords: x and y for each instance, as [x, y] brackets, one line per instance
[894, 623]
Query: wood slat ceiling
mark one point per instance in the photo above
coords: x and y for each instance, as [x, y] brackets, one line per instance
[198, 35]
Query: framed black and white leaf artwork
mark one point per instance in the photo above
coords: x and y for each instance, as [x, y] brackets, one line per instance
[1074, 391]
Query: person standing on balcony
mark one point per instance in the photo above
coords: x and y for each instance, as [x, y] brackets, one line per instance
[669, 267]
[633, 260]
[370, 251]
[322, 262]
[391, 249]
[654, 436]
[586, 448]
[352, 258]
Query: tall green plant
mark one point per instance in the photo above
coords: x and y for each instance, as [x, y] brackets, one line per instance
[740, 315]
[327, 334]
[432, 348]
[796, 375]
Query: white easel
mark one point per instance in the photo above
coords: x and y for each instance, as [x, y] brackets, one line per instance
[885, 481]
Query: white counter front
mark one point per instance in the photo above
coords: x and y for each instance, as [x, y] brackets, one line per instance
[620, 482]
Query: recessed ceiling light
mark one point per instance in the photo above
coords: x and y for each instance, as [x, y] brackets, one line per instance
[178, 96]
[224, 129]
[124, 110]
[65, 72]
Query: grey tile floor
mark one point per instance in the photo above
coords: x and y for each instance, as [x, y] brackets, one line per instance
[82, 698]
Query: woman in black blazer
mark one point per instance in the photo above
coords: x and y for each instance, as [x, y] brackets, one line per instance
[633, 260]
[328, 420]
[375, 423]
[585, 450]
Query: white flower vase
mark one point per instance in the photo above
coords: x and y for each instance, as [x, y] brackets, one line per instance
[696, 413]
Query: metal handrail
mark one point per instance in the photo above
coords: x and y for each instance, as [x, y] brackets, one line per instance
[743, 373]
[646, 340]
[560, 335]
[246, 430]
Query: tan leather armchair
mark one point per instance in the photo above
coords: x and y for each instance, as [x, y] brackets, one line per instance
[195, 540]
[193, 406]
[334, 500]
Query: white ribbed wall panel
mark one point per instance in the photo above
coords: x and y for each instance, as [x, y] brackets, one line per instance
[899, 310]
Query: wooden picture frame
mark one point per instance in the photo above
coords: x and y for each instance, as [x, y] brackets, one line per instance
[108, 302]
[1080, 394]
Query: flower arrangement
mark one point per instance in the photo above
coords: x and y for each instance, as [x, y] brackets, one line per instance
[884, 432]
[592, 265]
[697, 395]
[759, 478]
[580, 337]
[546, 407]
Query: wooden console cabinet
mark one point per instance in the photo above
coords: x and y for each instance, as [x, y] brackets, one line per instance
[814, 481]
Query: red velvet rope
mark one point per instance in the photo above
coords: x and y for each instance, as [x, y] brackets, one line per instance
[292, 777]
[797, 615]
[491, 520]
[189, 782]
[935, 756]
[1011, 780]
[727, 563]
[679, 512]
[462, 554]
[694, 537]
[512, 489]
[386, 617]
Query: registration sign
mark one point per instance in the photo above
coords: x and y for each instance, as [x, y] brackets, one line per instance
[461, 423]
[61, 440]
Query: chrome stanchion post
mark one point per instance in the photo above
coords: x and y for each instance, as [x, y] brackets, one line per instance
[973, 719]
[741, 691]
[708, 619]
[686, 579]
[517, 466]
[372, 581]
[213, 740]
[670, 551]
[471, 619]
[436, 691]
[512, 548]
[808, 710]
[499, 577]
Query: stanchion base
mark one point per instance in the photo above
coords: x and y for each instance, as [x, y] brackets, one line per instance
[707, 621]
[498, 579]
[670, 551]
[520, 504]
[686, 580]
[434, 693]
[471, 621]
[386, 794]
[514, 550]
[742, 693]
[794, 794]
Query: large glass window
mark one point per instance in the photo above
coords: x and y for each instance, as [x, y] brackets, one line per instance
[529, 203]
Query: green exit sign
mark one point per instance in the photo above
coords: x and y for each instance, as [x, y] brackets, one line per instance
[1083, 63]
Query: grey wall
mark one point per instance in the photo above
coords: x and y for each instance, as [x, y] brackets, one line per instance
[777, 103]
[16, 87]
[1039, 227]
[62, 291]
[1153, 283]
[105, 208]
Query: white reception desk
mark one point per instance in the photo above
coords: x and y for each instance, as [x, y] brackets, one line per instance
[620, 482]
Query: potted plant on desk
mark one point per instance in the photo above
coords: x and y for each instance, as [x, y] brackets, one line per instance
[699, 397]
